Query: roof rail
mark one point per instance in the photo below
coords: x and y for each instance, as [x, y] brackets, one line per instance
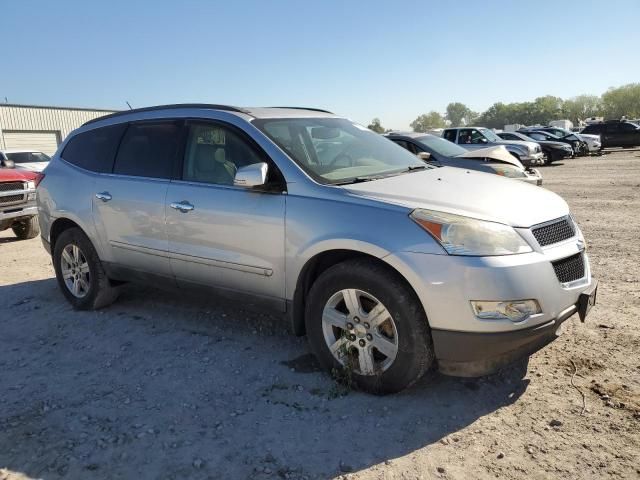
[307, 108]
[168, 107]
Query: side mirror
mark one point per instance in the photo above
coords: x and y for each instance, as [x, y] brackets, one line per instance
[250, 176]
[8, 163]
[426, 156]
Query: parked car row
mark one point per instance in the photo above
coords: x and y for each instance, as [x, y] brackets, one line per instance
[389, 265]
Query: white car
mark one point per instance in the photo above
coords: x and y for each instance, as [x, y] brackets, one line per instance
[26, 159]
[593, 142]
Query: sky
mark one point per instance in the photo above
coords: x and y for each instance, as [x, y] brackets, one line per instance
[360, 59]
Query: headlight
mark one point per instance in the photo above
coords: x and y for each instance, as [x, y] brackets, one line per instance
[460, 235]
[508, 171]
[31, 185]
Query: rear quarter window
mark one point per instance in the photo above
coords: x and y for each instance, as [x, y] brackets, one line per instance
[94, 150]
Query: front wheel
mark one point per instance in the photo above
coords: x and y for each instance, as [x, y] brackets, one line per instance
[26, 229]
[80, 273]
[364, 320]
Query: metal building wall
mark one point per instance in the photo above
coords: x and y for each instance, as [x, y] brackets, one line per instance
[33, 118]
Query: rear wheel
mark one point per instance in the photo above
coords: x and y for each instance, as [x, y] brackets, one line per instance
[80, 273]
[26, 229]
[363, 320]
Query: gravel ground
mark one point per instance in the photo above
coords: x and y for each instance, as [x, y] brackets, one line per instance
[162, 385]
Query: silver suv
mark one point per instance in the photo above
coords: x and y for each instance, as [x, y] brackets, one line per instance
[390, 266]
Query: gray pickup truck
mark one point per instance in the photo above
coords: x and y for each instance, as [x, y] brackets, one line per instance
[472, 138]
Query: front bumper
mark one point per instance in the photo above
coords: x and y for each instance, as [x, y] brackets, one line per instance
[464, 354]
[533, 159]
[17, 211]
[446, 284]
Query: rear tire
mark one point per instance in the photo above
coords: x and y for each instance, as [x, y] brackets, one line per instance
[385, 312]
[27, 229]
[80, 273]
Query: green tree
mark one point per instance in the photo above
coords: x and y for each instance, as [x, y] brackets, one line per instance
[459, 114]
[427, 122]
[581, 107]
[376, 126]
[624, 100]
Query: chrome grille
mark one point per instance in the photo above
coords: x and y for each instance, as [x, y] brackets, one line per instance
[14, 198]
[569, 269]
[554, 232]
[8, 186]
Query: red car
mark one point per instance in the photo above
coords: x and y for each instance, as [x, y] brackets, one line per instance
[18, 209]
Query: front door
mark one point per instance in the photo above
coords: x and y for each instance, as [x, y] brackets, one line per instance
[221, 235]
[129, 204]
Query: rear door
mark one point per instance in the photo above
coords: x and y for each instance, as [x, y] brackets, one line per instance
[221, 235]
[129, 203]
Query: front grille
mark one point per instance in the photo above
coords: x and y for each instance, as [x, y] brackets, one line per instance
[8, 186]
[569, 269]
[11, 199]
[555, 232]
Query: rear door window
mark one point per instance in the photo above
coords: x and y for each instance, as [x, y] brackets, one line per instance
[149, 149]
[94, 150]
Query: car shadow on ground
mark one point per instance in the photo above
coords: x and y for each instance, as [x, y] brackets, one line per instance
[171, 384]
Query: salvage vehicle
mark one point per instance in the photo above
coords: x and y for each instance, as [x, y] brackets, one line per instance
[529, 153]
[18, 210]
[442, 153]
[26, 159]
[390, 266]
[552, 150]
[615, 133]
[578, 144]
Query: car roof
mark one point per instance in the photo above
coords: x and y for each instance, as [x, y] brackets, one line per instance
[252, 112]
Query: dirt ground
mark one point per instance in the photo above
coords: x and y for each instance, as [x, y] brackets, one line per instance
[172, 385]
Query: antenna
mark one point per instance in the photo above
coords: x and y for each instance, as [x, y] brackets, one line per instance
[129, 105]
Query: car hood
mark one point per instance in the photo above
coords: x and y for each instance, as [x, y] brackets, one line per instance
[589, 135]
[463, 192]
[33, 166]
[521, 143]
[13, 174]
[499, 153]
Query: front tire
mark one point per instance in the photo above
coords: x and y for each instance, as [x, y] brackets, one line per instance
[80, 273]
[364, 320]
[27, 229]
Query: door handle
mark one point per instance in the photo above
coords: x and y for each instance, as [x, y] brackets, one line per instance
[183, 206]
[104, 196]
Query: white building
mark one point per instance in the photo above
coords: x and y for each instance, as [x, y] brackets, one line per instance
[40, 128]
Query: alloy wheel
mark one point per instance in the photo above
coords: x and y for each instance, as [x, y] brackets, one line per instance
[360, 332]
[75, 271]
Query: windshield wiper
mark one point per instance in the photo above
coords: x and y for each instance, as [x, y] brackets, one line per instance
[367, 178]
[412, 168]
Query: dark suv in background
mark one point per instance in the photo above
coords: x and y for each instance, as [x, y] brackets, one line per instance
[616, 133]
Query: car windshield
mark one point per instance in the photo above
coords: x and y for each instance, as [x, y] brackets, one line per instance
[27, 157]
[441, 146]
[337, 151]
[492, 137]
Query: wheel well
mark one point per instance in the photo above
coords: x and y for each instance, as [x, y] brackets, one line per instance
[312, 270]
[59, 226]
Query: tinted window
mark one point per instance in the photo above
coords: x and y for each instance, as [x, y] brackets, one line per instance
[441, 146]
[19, 157]
[592, 129]
[613, 127]
[628, 127]
[450, 135]
[94, 150]
[214, 154]
[148, 150]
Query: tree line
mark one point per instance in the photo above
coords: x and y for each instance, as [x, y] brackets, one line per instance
[613, 104]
